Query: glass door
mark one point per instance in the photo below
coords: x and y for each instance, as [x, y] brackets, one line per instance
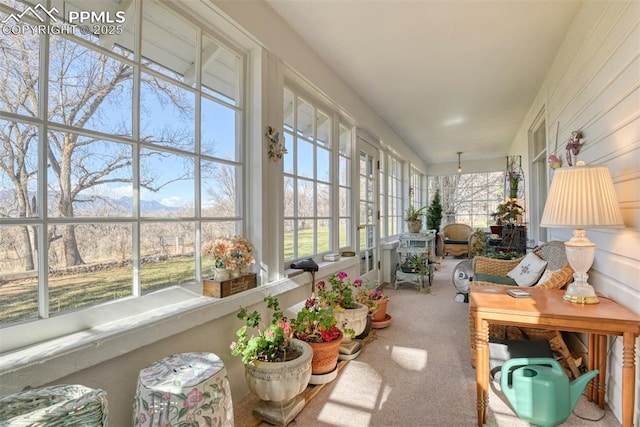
[368, 240]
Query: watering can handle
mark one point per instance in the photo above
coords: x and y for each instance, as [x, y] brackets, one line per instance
[523, 361]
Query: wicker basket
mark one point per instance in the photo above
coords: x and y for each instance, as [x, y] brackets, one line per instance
[59, 405]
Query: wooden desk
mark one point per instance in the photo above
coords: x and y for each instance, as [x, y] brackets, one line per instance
[547, 310]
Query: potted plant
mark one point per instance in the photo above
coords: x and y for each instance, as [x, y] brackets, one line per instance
[434, 220]
[508, 212]
[351, 315]
[413, 217]
[316, 324]
[375, 300]
[277, 366]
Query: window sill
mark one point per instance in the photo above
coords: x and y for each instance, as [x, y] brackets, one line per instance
[80, 350]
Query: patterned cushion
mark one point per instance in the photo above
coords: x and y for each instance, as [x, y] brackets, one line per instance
[528, 271]
[546, 275]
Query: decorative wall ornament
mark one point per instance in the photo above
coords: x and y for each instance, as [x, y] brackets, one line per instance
[573, 146]
[276, 146]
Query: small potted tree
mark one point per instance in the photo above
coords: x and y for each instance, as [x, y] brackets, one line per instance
[434, 219]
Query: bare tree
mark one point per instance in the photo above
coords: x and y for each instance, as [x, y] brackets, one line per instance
[81, 84]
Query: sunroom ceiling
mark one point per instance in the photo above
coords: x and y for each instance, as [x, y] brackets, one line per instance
[448, 75]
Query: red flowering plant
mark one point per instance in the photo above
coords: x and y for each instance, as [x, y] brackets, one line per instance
[265, 342]
[315, 322]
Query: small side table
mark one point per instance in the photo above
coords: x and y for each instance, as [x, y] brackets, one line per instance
[184, 388]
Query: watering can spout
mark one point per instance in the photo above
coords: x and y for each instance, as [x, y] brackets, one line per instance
[577, 386]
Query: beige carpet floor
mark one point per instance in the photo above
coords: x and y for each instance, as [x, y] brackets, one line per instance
[417, 371]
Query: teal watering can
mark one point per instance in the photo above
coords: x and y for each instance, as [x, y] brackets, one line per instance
[541, 395]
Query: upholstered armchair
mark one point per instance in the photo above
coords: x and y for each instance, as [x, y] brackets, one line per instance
[456, 239]
[558, 274]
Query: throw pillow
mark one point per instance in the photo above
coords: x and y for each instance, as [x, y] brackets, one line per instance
[546, 275]
[528, 271]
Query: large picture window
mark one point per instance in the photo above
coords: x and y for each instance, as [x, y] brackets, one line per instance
[109, 188]
[308, 183]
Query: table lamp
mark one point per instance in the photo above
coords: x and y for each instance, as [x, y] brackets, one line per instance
[581, 197]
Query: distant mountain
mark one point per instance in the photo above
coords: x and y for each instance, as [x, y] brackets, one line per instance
[145, 205]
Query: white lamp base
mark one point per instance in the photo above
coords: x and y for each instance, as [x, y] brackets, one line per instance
[580, 254]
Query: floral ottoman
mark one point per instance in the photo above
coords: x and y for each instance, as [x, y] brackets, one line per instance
[184, 389]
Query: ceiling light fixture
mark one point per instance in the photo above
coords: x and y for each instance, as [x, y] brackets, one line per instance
[459, 166]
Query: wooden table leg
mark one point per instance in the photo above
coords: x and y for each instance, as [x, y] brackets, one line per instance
[628, 378]
[482, 370]
[602, 367]
[591, 364]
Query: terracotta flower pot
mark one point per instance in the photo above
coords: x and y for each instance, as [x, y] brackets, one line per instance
[382, 311]
[325, 355]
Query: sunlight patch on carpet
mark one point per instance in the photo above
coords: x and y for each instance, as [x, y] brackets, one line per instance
[358, 385]
[413, 359]
[336, 414]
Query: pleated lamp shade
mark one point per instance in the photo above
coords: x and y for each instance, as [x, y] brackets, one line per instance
[582, 197]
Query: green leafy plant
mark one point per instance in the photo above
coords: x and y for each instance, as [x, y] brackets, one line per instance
[505, 255]
[434, 213]
[264, 342]
[507, 212]
[418, 263]
[479, 242]
[413, 214]
[316, 322]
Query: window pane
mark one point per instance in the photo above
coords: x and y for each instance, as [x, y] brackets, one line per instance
[304, 127]
[324, 235]
[85, 268]
[90, 178]
[19, 58]
[18, 170]
[324, 129]
[167, 252]
[287, 109]
[306, 159]
[345, 140]
[219, 189]
[288, 158]
[18, 273]
[306, 232]
[166, 114]
[168, 43]
[288, 239]
[345, 234]
[289, 185]
[306, 198]
[345, 201]
[88, 89]
[344, 175]
[218, 126]
[324, 165]
[324, 200]
[168, 185]
[220, 72]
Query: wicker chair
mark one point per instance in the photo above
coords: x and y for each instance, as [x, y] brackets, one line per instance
[562, 274]
[456, 239]
[55, 406]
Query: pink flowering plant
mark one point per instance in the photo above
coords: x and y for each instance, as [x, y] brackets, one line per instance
[339, 291]
[368, 296]
[264, 342]
[232, 252]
